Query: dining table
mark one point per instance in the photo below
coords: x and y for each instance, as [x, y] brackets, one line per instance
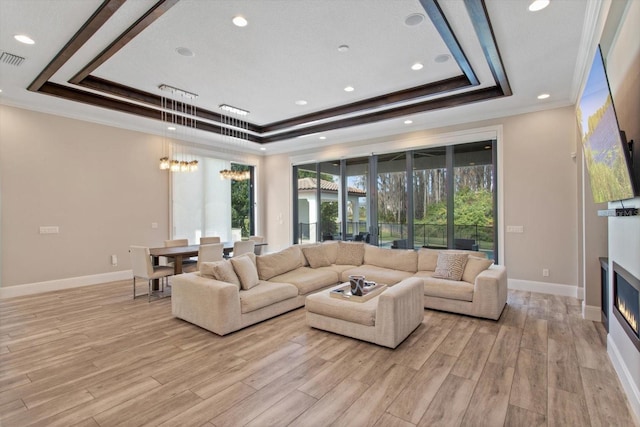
[180, 253]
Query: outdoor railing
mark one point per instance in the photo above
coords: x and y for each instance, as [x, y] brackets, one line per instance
[429, 235]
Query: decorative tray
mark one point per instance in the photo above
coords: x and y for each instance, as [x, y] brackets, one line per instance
[344, 292]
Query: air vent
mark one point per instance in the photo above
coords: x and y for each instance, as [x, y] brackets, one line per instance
[11, 59]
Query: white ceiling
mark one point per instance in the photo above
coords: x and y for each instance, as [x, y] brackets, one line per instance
[289, 52]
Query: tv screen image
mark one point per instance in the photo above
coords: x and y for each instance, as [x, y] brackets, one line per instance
[606, 154]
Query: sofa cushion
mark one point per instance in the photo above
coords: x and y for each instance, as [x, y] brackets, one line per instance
[338, 268]
[220, 270]
[350, 253]
[264, 294]
[449, 289]
[451, 265]
[376, 274]
[302, 246]
[271, 265]
[308, 279]
[331, 250]
[397, 259]
[316, 256]
[427, 259]
[246, 271]
[424, 274]
[474, 267]
[362, 313]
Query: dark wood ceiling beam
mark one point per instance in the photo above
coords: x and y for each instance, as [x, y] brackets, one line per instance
[93, 24]
[442, 86]
[129, 92]
[480, 18]
[77, 95]
[432, 8]
[435, 104]
[159, 9]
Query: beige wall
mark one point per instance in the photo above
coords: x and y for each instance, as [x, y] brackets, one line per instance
[540, 188]
[101, 185]
[623, 63]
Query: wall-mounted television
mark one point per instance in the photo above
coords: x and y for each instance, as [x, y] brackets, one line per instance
[606, 152]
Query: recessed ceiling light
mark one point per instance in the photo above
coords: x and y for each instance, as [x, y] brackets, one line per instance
[239, 21]
[171, 128]
[442, 58]
[417, 66]
[414, 19]
[24, 39]
[537, 5]
[349, 89]
[301, 102]
[543, 96]
[185, 51]
[323, 137]
[343, 48]
[408, 122]
[263, 148]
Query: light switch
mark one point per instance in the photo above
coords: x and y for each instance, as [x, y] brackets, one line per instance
[154, 225]
[515, 229]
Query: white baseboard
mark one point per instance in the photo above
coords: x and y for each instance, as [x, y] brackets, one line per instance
[543, 287]
[68, 283]
[591, 312]
[629, 386]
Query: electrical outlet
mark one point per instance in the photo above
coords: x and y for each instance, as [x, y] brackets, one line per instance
[545, 272]
[515, 229]
[154, 225]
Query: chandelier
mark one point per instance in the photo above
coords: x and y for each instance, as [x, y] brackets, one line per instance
[235, 129]
[181, 119]
[235, 175]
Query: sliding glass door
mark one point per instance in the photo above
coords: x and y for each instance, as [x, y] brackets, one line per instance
[392, 200]
[430, 208]
[438, 197]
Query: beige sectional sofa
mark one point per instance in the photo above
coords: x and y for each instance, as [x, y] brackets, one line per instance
[229, 295]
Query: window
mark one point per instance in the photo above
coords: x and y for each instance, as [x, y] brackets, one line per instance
[203, 204]
[448, 202]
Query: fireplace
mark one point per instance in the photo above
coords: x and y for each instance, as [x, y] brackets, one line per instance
[626, 302]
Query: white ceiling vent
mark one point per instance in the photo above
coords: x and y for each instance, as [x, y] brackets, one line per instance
[11, 59]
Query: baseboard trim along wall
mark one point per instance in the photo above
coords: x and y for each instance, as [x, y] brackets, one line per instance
[631, 390]
[56, 285]
[591, 312]
[545, 288]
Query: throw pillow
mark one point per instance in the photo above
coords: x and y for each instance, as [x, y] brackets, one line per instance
[246, 271]
[474, 267]
[220, 270]
[450, 265]
[315, 256]
[350, 253]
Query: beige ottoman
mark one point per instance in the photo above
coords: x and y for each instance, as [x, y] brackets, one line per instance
[386, 319]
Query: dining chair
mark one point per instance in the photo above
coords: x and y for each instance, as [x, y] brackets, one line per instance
[207, 253]
[144, 269]
[208, 240]
[176, 242]
[257, 239]
[179, 242]
[243, 247]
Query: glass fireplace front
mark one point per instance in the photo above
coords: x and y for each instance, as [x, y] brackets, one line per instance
[626, 302]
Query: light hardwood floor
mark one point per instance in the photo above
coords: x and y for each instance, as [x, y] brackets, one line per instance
[93, 357]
